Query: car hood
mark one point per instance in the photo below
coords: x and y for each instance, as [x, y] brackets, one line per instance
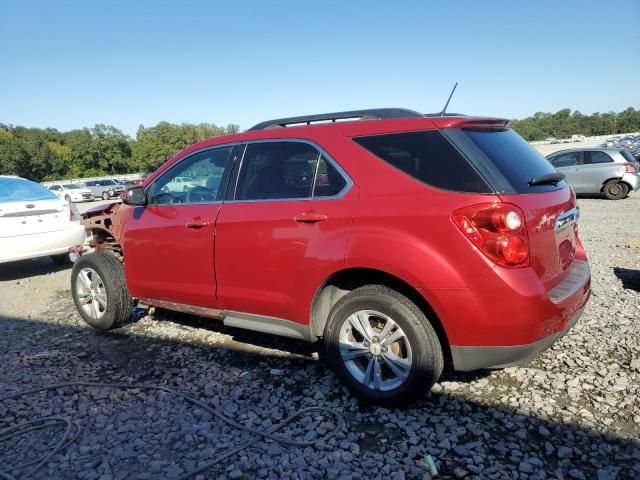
[105, 208]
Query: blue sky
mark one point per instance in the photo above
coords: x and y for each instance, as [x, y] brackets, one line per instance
[74, 64]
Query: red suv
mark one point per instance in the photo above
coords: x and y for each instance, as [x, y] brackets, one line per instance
[400, 239]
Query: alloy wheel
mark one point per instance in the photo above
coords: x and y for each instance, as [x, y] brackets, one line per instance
[92, 295]
[375, 350]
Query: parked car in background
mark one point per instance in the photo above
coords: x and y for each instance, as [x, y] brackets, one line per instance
[72, 192]
[398, 239]
[132, 183]
[613, 172]
[105, 189]
[34, 222]
[180, 184]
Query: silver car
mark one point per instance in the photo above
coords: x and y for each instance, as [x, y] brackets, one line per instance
[611, 171]
[105, 188]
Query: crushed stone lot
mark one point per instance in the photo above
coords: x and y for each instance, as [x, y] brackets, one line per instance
[573, 413]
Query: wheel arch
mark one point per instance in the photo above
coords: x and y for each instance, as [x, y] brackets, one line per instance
[343, 281]
[619, 179]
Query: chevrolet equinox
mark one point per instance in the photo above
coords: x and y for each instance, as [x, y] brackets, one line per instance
[398, 239]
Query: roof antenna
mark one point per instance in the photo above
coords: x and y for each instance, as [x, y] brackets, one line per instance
[444, 110]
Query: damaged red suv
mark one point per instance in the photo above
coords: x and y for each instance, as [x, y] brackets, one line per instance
[400, 240]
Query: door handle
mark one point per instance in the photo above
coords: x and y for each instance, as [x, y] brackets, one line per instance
[196, 223]
[310, 217]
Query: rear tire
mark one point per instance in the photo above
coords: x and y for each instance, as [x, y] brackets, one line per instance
[67, 198]
[397, 360]
[615, 190]
[105, 195]
[100, 291]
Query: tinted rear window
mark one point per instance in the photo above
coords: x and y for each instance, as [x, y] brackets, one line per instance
[518, 161]
[428, 157]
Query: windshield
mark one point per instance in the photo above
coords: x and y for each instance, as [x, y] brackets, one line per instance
[71, 186]
[19, 189]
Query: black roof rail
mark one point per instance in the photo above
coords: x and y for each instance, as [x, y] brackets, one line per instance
[439, 114]
[372, 114]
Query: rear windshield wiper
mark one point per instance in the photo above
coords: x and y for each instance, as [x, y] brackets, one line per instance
[552, 178]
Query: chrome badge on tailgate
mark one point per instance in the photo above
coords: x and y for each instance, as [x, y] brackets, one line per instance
[567, 219]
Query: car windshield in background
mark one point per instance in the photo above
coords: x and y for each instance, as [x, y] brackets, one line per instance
[18, 189]
[518, 161]
[72, 186]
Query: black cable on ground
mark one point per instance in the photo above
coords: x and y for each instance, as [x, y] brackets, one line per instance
[73, 428]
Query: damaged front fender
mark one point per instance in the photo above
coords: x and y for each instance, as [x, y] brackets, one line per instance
[106, 223]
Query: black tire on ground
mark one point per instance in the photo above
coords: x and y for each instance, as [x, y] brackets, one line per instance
[427, 358]
[105, 195]
[67, 198]
[615, 190]
[61, 260]
[119, 302]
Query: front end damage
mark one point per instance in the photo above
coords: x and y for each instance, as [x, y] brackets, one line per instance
[105, 224]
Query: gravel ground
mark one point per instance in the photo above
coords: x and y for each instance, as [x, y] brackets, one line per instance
[573, 413]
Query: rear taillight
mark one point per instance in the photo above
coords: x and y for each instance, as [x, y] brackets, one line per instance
[74, 213]
[497, 230]
[629, 167]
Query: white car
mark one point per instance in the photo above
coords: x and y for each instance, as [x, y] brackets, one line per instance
[72, 192]
[180, 184]
[36, 223]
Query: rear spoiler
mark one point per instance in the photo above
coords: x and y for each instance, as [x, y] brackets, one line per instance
[486, 124]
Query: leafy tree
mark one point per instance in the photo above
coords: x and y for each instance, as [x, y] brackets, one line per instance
[154, 145]
[564, 123]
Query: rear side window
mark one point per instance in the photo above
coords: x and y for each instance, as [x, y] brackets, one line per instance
[428, 157]
[286, 170]
[518, 161]
[329, 182]
[596, 157]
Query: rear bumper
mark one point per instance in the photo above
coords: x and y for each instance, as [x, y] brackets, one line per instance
[475, 358]
[41, 244]
[510, 317]
[633, 179]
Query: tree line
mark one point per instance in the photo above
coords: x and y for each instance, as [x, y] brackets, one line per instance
[48, 154]
[565, 123]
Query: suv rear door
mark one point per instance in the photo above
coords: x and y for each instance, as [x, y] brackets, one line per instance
[597, 168]
[169, 243]
[282, 230]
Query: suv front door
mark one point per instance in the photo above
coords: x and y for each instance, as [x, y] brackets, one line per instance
[283, 229]
[569, 163]
[169, 243]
